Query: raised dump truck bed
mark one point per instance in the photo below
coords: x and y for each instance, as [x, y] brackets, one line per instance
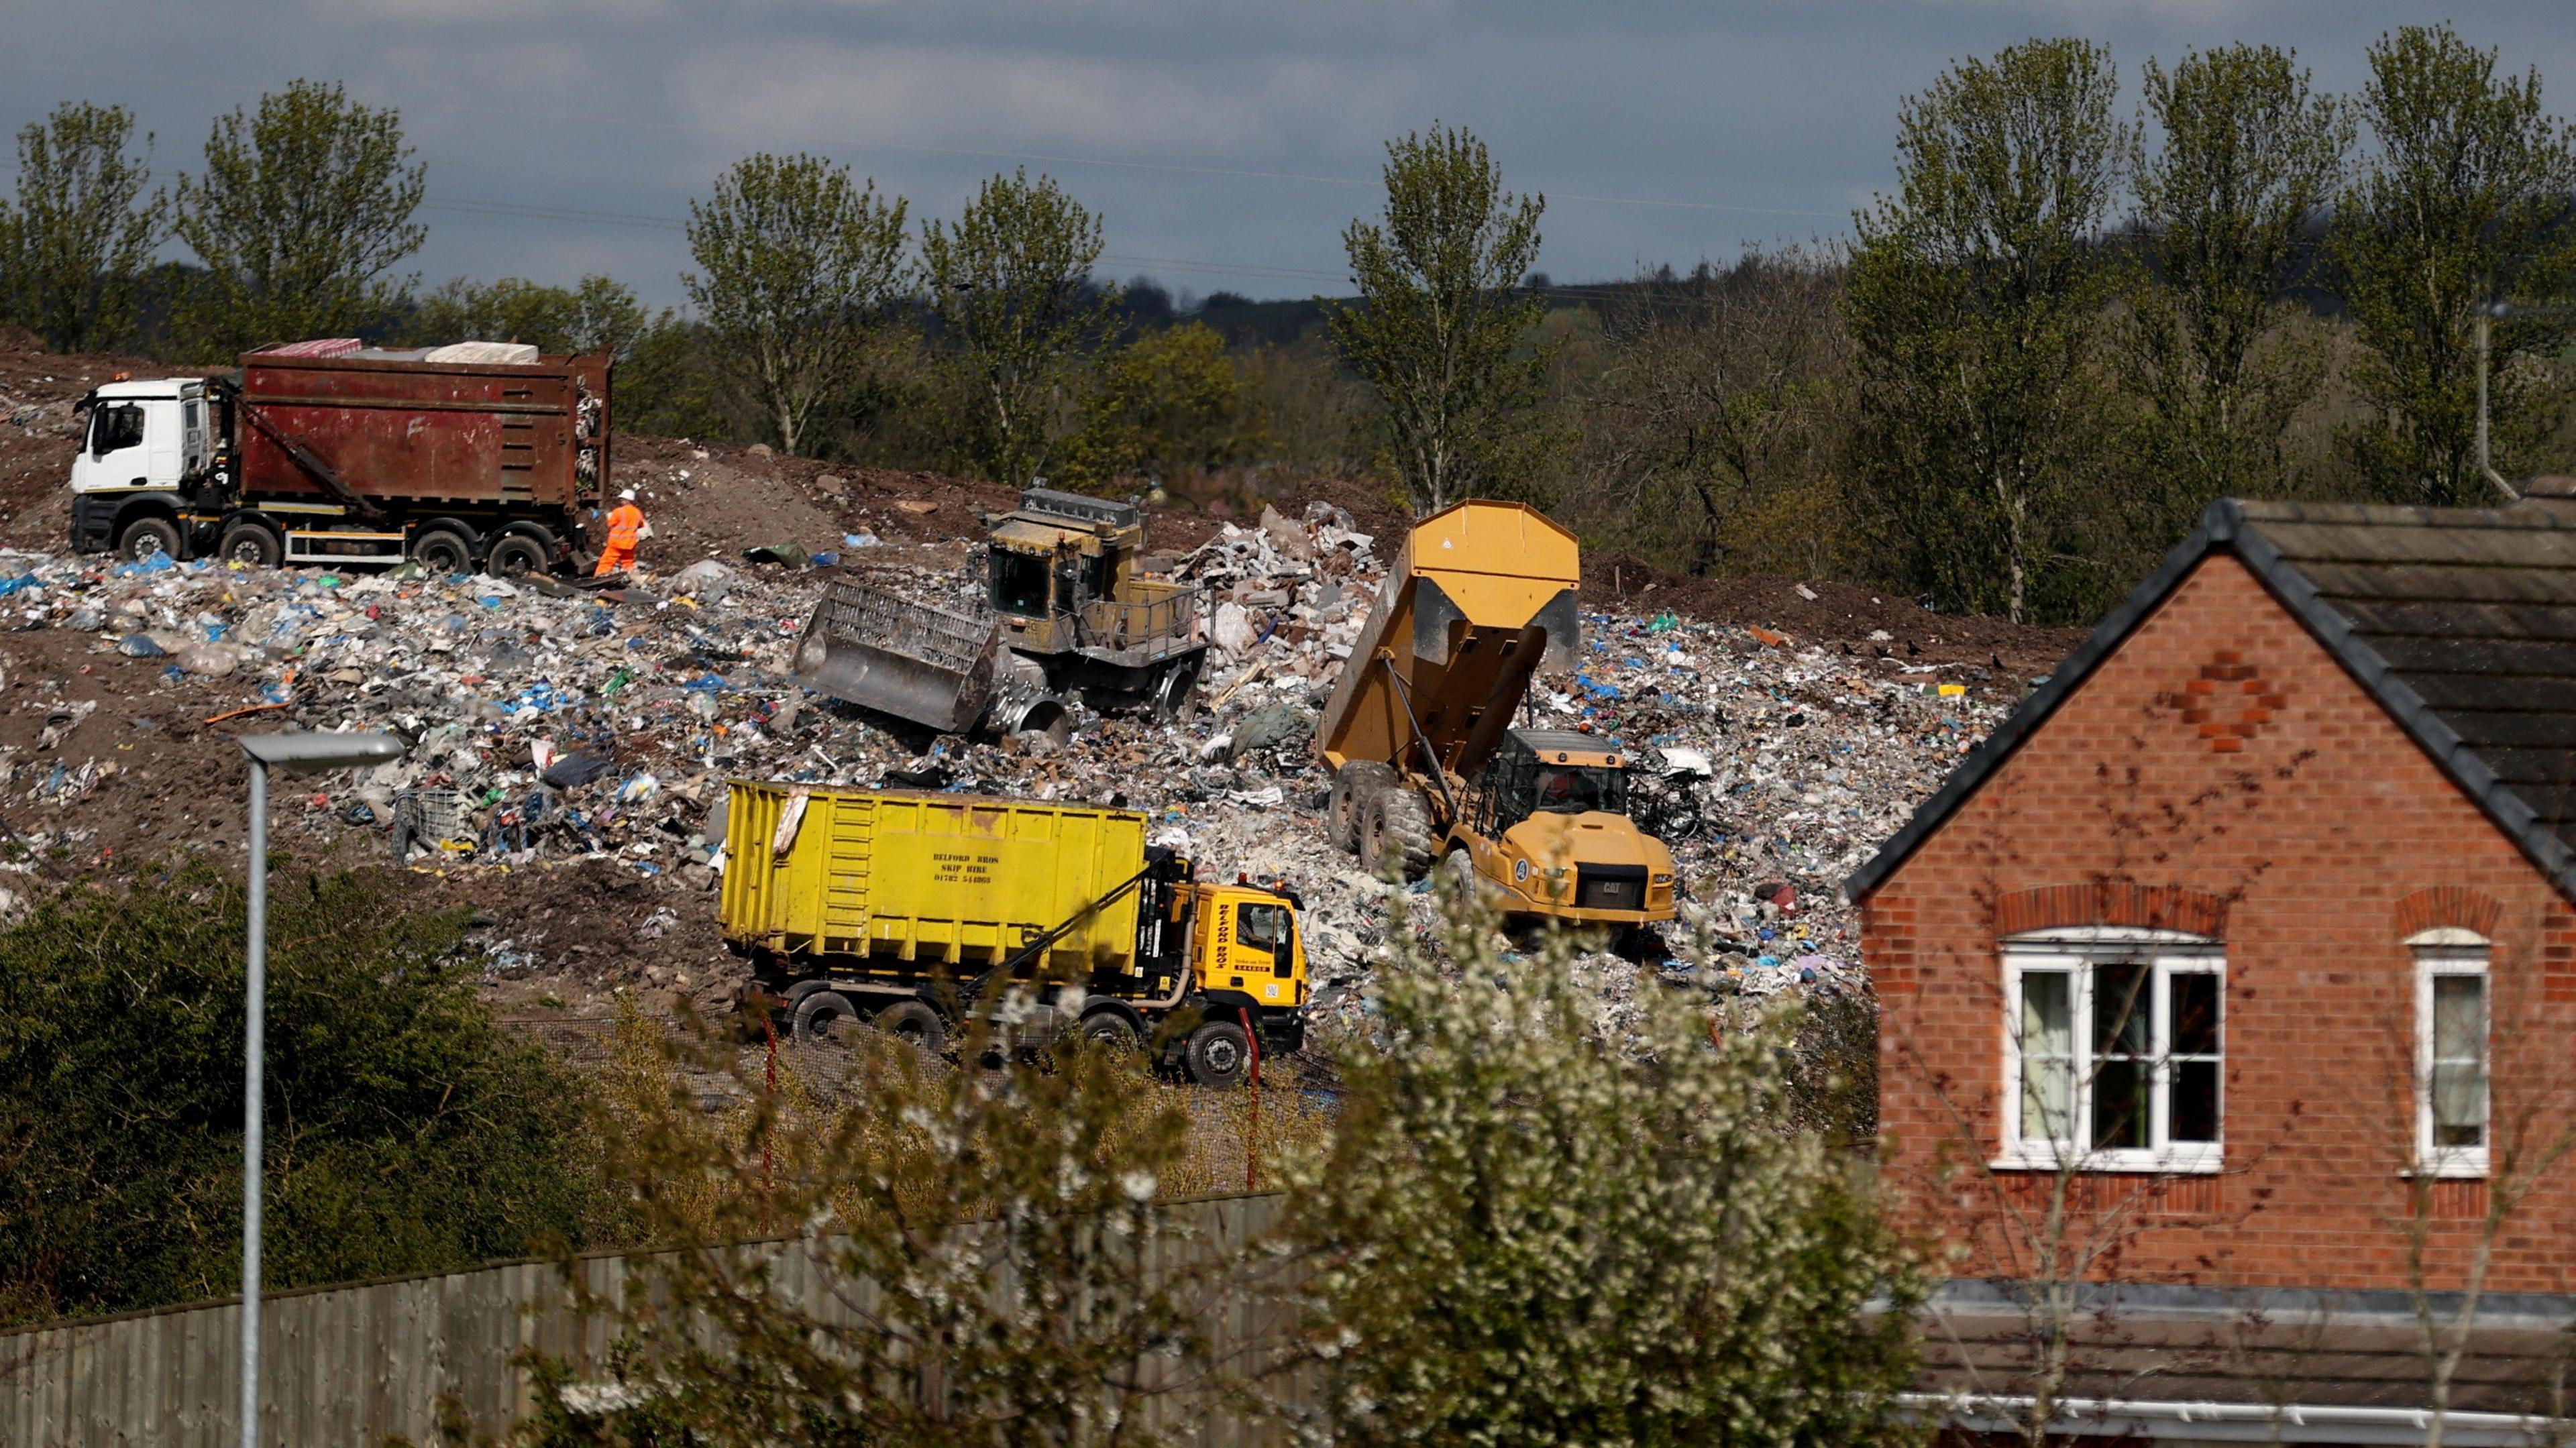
[1481, 598]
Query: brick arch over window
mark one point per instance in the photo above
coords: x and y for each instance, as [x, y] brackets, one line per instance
[2456, 906]
[2112, 902]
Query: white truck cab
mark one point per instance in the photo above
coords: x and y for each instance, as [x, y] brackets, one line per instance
[145, 436]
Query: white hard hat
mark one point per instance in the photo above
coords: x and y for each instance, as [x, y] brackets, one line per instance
[627, 496]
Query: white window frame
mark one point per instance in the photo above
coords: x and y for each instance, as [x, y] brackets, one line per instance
[2451, 951]
[2077, 951]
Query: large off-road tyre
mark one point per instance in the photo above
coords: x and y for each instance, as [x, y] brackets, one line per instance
[823, 1015]
[1219, 1054]
[1396, 835]
[516, 554]
[1354, 785]
[443, 550]
[146, 536]
[252, 544]
[914, 1023]
[1458, 881]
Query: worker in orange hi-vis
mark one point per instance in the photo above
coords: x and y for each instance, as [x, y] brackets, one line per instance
[625, 526]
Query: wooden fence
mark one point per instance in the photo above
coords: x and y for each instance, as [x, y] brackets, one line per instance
[356, 1364]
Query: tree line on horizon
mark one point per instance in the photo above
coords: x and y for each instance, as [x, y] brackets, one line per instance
[2062, 332]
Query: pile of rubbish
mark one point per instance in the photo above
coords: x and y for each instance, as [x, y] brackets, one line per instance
[550, 724]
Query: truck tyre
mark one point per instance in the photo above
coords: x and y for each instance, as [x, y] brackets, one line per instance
[144, 537]
[515, 554]
[1111, 1030]
[1220, 1054]
[1354, 784]
[1458, 879]
[1396, 834]
[252, 543]
[443, 550]
[823, 1015]
[915, 1024]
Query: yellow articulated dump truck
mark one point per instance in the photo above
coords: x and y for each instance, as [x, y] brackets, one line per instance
[911, 911]
[1428, 772]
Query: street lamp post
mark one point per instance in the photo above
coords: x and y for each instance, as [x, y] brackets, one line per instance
[303, 753]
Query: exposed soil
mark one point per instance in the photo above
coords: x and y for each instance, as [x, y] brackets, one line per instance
[1842, 615]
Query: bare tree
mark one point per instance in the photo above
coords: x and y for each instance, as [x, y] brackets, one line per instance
[1720, 394]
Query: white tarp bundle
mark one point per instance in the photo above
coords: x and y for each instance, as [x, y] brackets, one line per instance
[507, 354]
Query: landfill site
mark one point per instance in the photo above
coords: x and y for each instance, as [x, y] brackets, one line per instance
[570, 747]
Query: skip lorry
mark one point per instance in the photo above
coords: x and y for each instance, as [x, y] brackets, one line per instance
[912, 912]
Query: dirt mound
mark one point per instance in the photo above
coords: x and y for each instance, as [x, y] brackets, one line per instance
[1860, 620]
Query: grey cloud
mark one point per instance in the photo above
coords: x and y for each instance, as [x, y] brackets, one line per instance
[1784, 111]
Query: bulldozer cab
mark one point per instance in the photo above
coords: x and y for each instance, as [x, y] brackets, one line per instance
[1062, 576]
[1054, 557]
[1550, 771]
[1250, 945]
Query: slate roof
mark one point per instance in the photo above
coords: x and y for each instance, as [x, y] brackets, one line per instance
[2460, 621]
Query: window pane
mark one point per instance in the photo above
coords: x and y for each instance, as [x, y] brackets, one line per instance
[2195, 1014]
[2459, 1018]
[1258, 926]
[2122, 1010]
[2047, 1057]
[2119, 1105]
[2047, 1018]
[2459, 1104]
[2194, 1114]
[2047, 1099]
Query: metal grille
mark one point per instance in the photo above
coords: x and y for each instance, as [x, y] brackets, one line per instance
[1112, 623]
[1058, 504]
[855, 613]
[1610, 887]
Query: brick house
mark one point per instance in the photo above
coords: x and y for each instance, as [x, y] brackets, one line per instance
[2228, 996]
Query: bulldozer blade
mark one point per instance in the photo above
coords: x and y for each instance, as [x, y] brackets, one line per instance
[898, 657]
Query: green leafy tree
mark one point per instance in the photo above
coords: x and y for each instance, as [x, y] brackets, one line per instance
[1441, 327]
[302, 212]
[2250, 161]
[665, 385]
[406, 1132]
[75, 247]
[1011, 292]
[1169, 403]
[2464, 203]
[1977, 297]
[1531, 1228]
[797, 269]
[599, 315]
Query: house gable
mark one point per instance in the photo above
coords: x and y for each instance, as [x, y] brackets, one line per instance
[2460, 622]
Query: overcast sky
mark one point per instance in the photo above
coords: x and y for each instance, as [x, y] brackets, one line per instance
[1226, 145]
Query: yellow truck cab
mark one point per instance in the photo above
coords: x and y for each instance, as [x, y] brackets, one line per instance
[1535, 813]
[913, 911]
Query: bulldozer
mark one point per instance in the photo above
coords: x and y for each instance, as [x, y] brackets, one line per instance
[1429, 773]
[1064, 605]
